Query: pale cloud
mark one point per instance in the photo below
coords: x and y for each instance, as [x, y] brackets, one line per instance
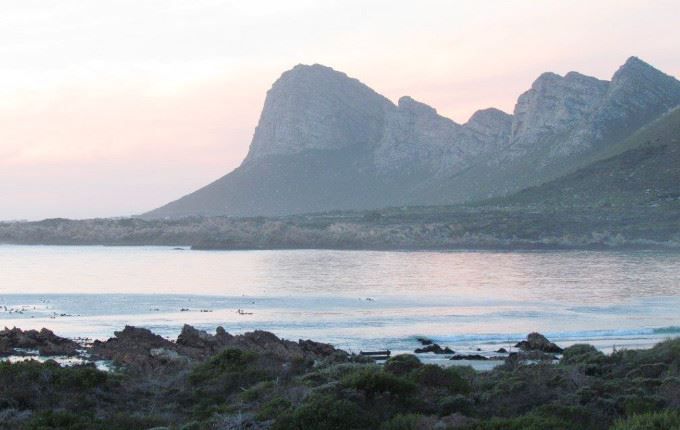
[115, 107]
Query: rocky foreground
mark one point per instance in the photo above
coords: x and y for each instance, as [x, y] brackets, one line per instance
[259, 381]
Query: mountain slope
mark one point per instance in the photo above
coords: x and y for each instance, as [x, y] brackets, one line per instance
[643, 170]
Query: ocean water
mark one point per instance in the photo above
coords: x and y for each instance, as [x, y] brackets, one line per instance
[357, 300]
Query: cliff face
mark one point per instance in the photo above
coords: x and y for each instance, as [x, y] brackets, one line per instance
[318, 108]
[326, 141]
[553, 107]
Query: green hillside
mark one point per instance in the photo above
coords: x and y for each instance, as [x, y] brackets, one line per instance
[642, 170]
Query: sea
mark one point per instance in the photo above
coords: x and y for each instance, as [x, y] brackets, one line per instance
[471, 301]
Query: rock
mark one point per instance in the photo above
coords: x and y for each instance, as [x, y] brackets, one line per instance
[502, 351]
[472, 357]
[45, 341]
[132, 347]
[167, 355]
[434, 348]
[553, 106]
[322, 350]
[313, 107]
[198, 339]
[538, 342]
[424, 341]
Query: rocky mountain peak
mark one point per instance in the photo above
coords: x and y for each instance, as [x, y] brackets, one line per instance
[408, 104]
[317, 108]
[637, 94]
[640, 76]
[491, 117]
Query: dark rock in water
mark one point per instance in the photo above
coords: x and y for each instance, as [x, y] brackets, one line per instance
[424, 341]
[45, 341]
[502, 351]
[538, 342]
[475, 357]
[435, 349]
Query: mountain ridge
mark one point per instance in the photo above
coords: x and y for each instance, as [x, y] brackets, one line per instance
[326, 141]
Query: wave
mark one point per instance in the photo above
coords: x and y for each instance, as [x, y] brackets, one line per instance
[586, 335]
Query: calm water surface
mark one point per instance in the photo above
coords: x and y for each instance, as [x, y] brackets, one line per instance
[354, 299]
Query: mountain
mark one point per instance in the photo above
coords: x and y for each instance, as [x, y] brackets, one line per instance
[326, 141]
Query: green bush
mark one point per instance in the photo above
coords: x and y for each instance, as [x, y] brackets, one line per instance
[374, 381]
[326, 413]
[456, 403]
[665, 420]
[229, 372]
[582, 354]
[51, 420]
[431, 375]
[402, 422]
[273, 409]
[526, 422]
[633, 405]
[227, 361]
[402, 364]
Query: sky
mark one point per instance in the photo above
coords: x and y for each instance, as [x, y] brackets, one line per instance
[112, 108]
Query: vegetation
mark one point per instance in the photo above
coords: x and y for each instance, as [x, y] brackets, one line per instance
[237, 388]
[504, 225]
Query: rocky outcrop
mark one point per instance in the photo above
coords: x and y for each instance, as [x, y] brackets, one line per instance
[538, 342]
[44, 341]
[137, 348]
[417, 139]
[551, 109]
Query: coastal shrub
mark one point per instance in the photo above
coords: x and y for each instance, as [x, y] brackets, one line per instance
[582, 354]
[256, 391]
[402, 364]
[664, 420]
[229, 372]
[326, 413]
[32, 384]
[273, 408]
[633, 405]
[79, 377]
[402, 422]
[431, 375]
[227, 361]
[525, 422]
[455, 404]
[51, 420]
[373, 381]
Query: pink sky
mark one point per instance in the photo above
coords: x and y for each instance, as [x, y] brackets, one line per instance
[112, 108]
